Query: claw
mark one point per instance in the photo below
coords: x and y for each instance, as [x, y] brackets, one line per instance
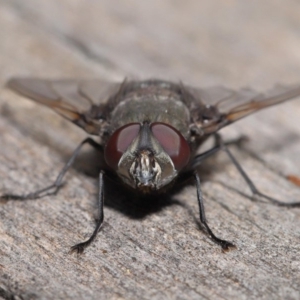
[7, 197]
[78, 248]
[227, 246]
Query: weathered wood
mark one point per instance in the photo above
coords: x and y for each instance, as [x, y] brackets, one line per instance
[144, 252]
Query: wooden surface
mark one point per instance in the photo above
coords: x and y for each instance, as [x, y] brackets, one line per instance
[149, 251]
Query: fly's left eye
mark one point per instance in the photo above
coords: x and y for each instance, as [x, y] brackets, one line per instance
[173, 143]
[119, 142]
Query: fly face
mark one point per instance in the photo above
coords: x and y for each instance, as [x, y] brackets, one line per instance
[147, 156]
[149, 130]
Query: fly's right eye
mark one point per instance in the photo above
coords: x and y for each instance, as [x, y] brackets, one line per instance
[119, 142]
[173, 143]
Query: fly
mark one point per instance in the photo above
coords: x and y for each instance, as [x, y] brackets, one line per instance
[149, 131]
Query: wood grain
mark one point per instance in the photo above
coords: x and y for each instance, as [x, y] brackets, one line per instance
[149, 250]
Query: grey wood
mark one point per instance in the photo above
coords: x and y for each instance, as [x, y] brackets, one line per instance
[160, 254]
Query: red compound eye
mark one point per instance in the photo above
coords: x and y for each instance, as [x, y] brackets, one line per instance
[173, 143]
[119, 142]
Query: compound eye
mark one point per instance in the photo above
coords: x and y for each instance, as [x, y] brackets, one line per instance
[119, 142]
[173, 143]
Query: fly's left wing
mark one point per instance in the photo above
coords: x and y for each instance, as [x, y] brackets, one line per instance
[76, 100]
[233, 105]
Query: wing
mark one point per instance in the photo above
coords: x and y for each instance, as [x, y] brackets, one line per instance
[233, 105]
[76, 100]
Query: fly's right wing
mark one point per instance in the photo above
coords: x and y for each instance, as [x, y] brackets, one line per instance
[80, 101]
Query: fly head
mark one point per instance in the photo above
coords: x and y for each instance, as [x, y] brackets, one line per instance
[147, 156]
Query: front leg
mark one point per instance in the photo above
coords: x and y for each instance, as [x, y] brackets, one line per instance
[79, 248]
[223, 243]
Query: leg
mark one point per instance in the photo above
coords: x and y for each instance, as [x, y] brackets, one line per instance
[224, 244]
[220, 145]
[58, 182]
[198, 159]
[79, 248]
[251, 185]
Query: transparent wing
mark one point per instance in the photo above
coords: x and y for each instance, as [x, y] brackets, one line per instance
[73, 99]
[234, 105]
